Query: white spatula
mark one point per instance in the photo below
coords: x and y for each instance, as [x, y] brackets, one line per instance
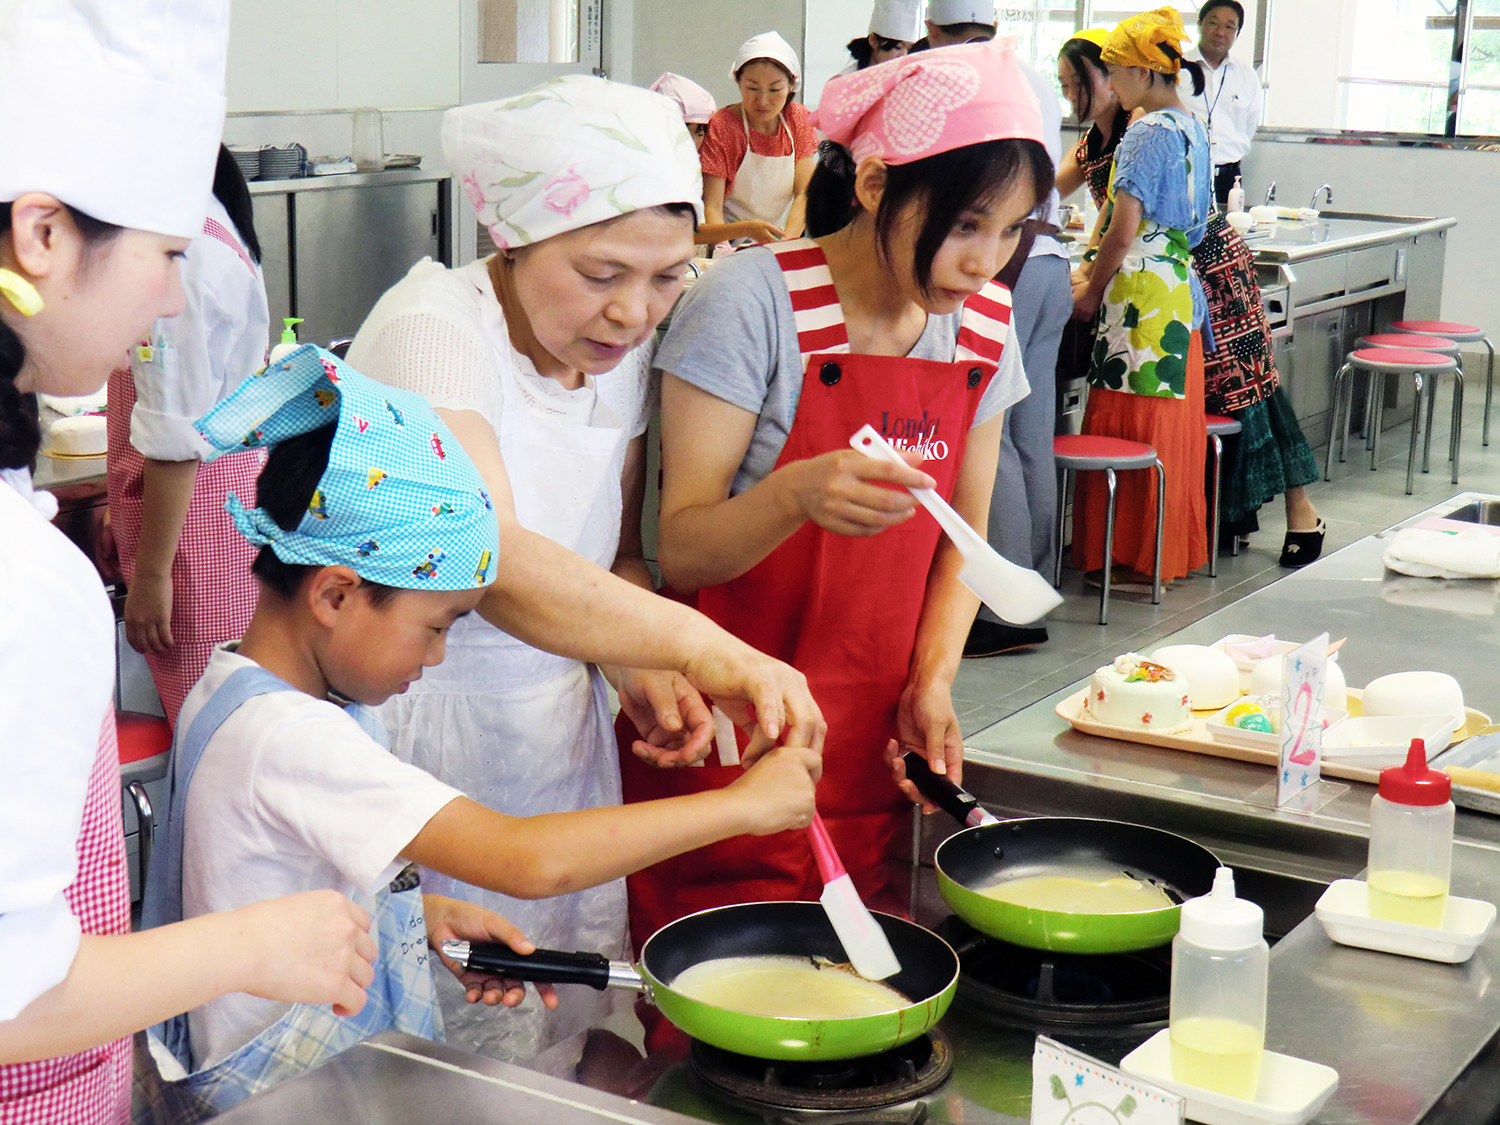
[864, 941]
[1016, 594]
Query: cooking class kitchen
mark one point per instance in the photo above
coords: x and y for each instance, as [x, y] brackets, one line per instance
[810, 562]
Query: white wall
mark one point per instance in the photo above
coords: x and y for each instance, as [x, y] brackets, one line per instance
[830, 26]
[1307, 52]
[698, 38]
[341, 54]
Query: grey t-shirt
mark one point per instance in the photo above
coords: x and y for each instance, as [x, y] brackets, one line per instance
[734, 335]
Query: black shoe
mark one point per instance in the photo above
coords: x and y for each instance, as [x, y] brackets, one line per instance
[987, 638]
[1302, 547]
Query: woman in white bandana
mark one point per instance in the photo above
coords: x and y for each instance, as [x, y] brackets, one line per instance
[88, 259]
[539, 358]
[759, 155]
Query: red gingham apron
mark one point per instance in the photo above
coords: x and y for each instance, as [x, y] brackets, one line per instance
[213, 594]
[91, 1087]
[843, 610]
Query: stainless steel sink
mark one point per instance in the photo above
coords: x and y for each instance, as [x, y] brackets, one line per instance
[1480, 511]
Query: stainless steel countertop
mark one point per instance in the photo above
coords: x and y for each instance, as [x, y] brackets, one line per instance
[1339, 232]
[349, 179]
[1400, 1031]
[55, 472]
[396, 1079]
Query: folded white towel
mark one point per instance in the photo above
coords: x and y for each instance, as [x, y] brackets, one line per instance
[1442, 554]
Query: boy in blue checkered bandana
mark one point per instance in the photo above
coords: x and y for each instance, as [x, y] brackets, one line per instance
[376, 535]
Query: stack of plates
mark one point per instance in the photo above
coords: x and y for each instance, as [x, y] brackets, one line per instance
[282, 163]
[248, 159]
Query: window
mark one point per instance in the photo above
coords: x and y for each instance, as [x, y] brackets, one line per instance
[1423, 66]
[1042, 27]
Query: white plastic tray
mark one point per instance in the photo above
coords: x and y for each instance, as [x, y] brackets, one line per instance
[1378, 741]
[1291, 1090]
[1259, 739]
[1344, 911]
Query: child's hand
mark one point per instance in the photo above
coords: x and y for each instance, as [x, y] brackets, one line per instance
[778, 790]
[451, 918]
[309, 948]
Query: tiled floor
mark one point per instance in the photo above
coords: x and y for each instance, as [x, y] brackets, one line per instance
[1356, 503]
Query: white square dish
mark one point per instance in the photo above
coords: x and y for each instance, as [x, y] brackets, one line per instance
[1377, 741]
[1263, 740]
[1344, 911]
[1291, 1090]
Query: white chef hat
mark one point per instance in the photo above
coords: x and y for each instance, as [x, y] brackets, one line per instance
[945, 12]
[767, 45]
[697, 104]
[116, 107]
[572, 152]
[897, 19]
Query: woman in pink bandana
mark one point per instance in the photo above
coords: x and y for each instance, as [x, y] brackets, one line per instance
[785, 535]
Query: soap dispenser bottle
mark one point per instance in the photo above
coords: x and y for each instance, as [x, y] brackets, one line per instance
[1237, 196]
[289, 342]
[1220, 962]
[1411, 842]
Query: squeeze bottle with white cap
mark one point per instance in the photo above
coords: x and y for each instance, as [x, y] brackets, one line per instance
[288, 339]
[1219, 973]
[1411, 842]
[1236, 200]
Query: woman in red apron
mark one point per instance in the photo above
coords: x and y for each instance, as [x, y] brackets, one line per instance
[186, 568]
[88, 249]
[789, 538]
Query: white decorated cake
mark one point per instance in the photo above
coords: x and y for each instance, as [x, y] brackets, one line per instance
[1139, 694]
[1213, 681]
[83, 436]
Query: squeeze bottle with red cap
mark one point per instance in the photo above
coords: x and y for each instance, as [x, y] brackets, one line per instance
[1411, 842]
[1220, 965]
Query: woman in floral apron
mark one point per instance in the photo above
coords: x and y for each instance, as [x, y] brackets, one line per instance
[1270, 457]
[88, 259]
[1146, 371]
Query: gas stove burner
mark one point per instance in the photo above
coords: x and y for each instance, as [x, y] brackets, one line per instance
[870, 1082]
[1031, 989]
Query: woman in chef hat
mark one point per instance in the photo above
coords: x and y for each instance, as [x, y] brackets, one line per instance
[759, 155]
[793, 540]
[539, 359]
[894, 26]
[88, 259]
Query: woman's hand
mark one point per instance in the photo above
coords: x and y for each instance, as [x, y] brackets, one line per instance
[753, 229]
[926, 723]
[1086, 302]
[148, 613]
[309, 948]
[755, 689]
[847, 493]
[450, 919]
[675, 723]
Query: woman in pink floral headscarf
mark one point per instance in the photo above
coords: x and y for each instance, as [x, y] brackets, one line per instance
[538, 358]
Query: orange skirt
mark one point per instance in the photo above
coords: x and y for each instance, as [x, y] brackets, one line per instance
[1175, 429]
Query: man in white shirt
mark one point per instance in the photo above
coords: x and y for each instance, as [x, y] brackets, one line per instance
[1230, 103]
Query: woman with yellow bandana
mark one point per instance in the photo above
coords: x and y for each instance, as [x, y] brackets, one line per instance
[1147, 306]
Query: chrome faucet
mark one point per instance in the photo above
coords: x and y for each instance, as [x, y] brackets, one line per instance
[1320, 191]
[1271, 194]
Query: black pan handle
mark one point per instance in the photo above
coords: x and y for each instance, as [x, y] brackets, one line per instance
[553, 966]
[954, 800]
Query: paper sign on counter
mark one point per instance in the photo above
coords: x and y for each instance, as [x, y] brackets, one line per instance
[1070, 1088]
[1303, 671]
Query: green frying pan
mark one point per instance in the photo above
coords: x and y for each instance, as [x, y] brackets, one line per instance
[928, 978]
[989, 851]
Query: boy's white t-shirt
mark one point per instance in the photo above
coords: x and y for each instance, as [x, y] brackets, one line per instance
[290, 795]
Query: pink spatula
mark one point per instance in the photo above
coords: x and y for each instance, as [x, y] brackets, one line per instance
[868, 948]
